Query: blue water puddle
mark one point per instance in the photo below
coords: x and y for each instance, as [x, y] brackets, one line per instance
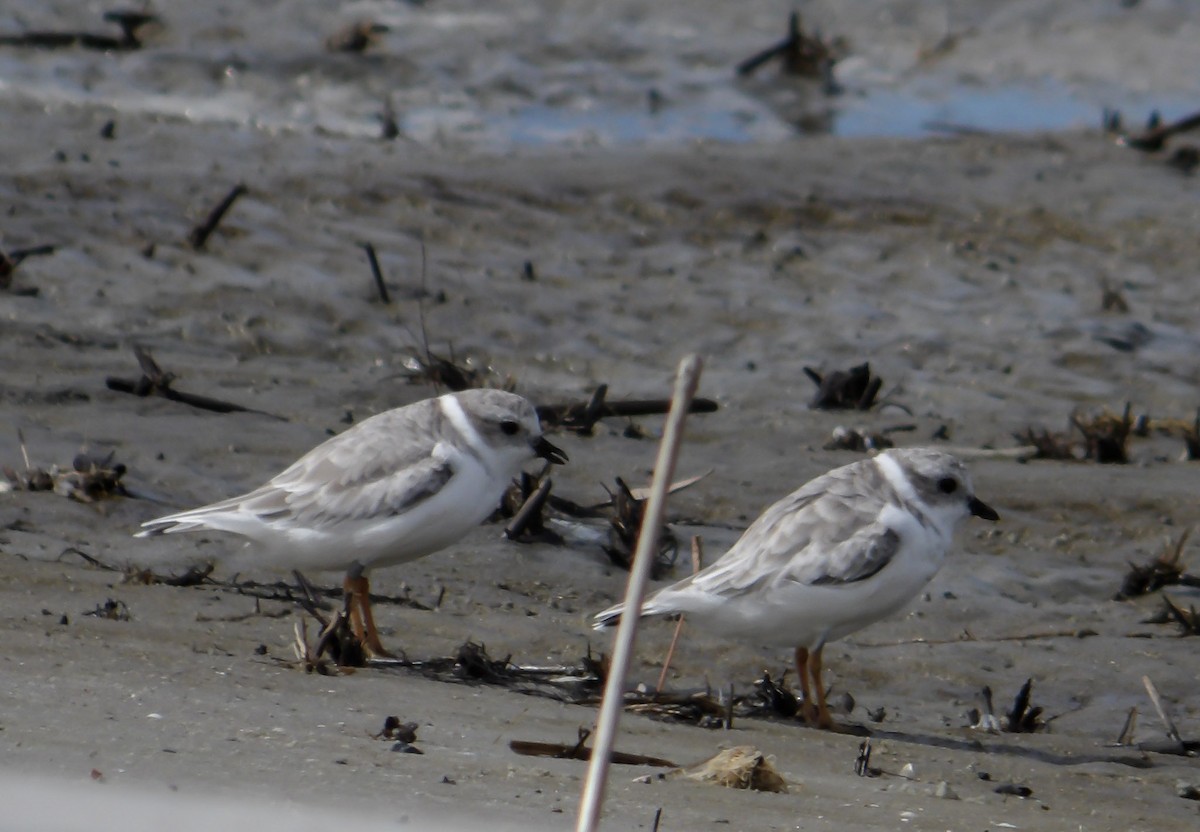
[911, 112]
[922, 110]
[703, 106]
[539, 126]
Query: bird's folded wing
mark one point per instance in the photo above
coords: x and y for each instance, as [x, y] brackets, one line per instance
[326, 497]
[812, 537]
[858, 558]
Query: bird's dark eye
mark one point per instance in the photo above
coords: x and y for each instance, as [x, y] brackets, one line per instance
[947, 485]
[509, 427]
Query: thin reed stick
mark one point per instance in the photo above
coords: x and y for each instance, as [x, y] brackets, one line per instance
[686, 381]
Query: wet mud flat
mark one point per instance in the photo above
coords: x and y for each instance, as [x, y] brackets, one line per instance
[971, 272]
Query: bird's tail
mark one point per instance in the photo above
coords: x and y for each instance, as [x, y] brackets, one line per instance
[658, 605]
[683, 597]
[225, 516]
[611, 617]
[185, 521]
[163, 525]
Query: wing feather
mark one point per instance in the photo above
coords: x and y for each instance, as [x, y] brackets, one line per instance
[383, 465]
[822, 534]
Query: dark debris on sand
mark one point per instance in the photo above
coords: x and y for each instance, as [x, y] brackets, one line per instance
[88, 480]
[853, 389]
[1167, 569]
[624, 526]
[1022, 718]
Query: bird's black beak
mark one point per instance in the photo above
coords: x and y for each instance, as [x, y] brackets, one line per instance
[981, 509]
[548, 451]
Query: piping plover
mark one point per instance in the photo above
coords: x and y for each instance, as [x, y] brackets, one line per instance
[393, 488]
[843, 551]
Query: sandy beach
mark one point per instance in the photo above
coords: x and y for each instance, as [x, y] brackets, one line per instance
[970, 270]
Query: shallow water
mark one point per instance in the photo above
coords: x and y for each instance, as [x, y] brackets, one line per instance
[645, 76]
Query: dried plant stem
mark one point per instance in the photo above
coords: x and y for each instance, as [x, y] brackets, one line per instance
[697, 560]
[686, 381]
[1167, 722]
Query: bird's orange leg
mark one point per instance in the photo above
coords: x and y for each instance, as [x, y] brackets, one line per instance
[352, 610]
[808, 709]
[824, 719]
[358, 590]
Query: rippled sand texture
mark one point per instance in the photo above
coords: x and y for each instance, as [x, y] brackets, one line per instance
[969, 271]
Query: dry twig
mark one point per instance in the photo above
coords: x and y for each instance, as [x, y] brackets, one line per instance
[129, 21]
[806, 56]
[580, 751]
[199, 235]
[581, 417]
[686, 381]
[157, 382]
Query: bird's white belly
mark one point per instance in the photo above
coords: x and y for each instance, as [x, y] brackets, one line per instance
[465, 501]
[806, 615]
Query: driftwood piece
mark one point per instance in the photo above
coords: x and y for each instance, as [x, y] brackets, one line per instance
[1156, 135]
[581, 417]
[157, 382]
[128, 20]
[580, 751]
